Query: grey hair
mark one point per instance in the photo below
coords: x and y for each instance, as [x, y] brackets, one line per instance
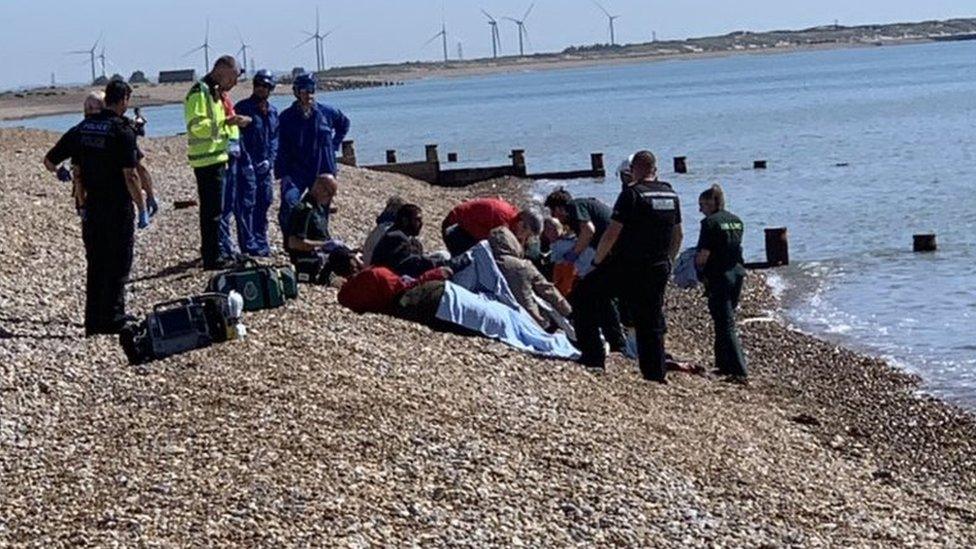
[532, 220]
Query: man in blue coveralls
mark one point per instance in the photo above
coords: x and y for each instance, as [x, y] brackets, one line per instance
[310, 134]
[260, 141]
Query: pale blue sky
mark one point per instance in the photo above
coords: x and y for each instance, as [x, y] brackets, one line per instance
[152, 35]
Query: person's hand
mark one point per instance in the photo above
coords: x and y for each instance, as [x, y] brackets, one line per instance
[64, 174]
[143, 219]
[447, 272]
[152, 207]
[238, 120]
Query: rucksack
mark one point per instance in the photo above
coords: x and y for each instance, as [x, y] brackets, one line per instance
[262, 287]
[175, 327]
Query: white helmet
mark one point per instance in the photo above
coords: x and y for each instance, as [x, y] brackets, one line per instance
[625, 165]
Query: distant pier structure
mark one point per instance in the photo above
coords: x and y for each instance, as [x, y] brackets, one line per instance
[185, 75]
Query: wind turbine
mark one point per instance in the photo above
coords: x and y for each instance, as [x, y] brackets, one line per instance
[319, 39]
[522, 33]
[611, 18]
[443, 36]
[243, 51]
[205, 47]
[91, 54]
[496, 39]
[101, 59]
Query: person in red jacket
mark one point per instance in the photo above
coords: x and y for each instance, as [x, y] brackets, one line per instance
[472, 221]
[375, 289]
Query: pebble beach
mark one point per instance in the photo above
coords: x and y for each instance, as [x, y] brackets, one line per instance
[327, 428]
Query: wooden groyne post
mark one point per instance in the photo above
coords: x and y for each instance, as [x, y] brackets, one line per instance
[391, 156]
[518, 161]
[777, 247]
[680, 164]
[431, 153]
[759, 165]
[452, 157]
[349, 153]
[925, 243]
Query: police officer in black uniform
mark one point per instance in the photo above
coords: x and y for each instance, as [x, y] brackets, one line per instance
[639, 246]
[103, 146]
[720, 267]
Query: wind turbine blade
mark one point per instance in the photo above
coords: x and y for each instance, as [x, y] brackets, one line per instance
[86, 52]
[194, 50]
[525, 32]
[435, 37]
[318, 20]
[513, 20]
[306, 41]
[100, 36]
[603, 9]
[527, 12]
[488, 15]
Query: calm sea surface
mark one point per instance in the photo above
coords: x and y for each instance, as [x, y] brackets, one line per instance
[901, 119]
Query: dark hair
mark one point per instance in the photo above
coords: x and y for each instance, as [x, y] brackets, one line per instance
[558, 199]
[117, 91]
[228, 61]
[406, 213]
[715, 193]
[341, 262]
[646, 160]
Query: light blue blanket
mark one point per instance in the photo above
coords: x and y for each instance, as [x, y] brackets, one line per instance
[479, 299]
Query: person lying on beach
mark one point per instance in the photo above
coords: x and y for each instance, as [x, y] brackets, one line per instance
[402, 252]
[445, 306]
[384, 222]
[470, 222]
[375, 289]
[524, 279]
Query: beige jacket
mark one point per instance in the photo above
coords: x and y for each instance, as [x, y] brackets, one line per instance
[523, 278]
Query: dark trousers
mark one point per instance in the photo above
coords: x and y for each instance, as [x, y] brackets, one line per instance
[109, 234]
[458, 240]
[210, 191]
[723, 300]
[594, 311]
[643, 292]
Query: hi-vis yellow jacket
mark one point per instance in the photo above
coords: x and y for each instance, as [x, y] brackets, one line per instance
[206, 127]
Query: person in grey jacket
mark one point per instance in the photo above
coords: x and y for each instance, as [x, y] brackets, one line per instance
[523, 278]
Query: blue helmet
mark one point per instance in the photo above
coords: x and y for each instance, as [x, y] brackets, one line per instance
[264, 78]
[304, 82]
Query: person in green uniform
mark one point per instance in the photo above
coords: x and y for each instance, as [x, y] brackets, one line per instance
[719, 263]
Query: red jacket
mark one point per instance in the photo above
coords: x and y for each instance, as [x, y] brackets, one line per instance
[376, 289]
[478, 217]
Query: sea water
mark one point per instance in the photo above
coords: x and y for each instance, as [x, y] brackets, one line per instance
[865, 148]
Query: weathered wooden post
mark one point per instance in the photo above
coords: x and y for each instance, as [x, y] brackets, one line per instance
[777, 247]
[349, 153]
[432, 154]
[759, 165]
[391, 156]
[518, 161]
[925, 243]
[452, 157]
[680, 164]
[596, 162]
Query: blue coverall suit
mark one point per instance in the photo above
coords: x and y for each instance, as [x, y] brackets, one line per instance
[260, 143]
[307, 148]
[239, 189]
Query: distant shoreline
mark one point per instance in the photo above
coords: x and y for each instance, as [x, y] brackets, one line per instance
[55, 101]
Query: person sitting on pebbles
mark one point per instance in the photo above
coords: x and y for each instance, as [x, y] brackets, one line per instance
[309, 242]
[525, 281]
[402, 252]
